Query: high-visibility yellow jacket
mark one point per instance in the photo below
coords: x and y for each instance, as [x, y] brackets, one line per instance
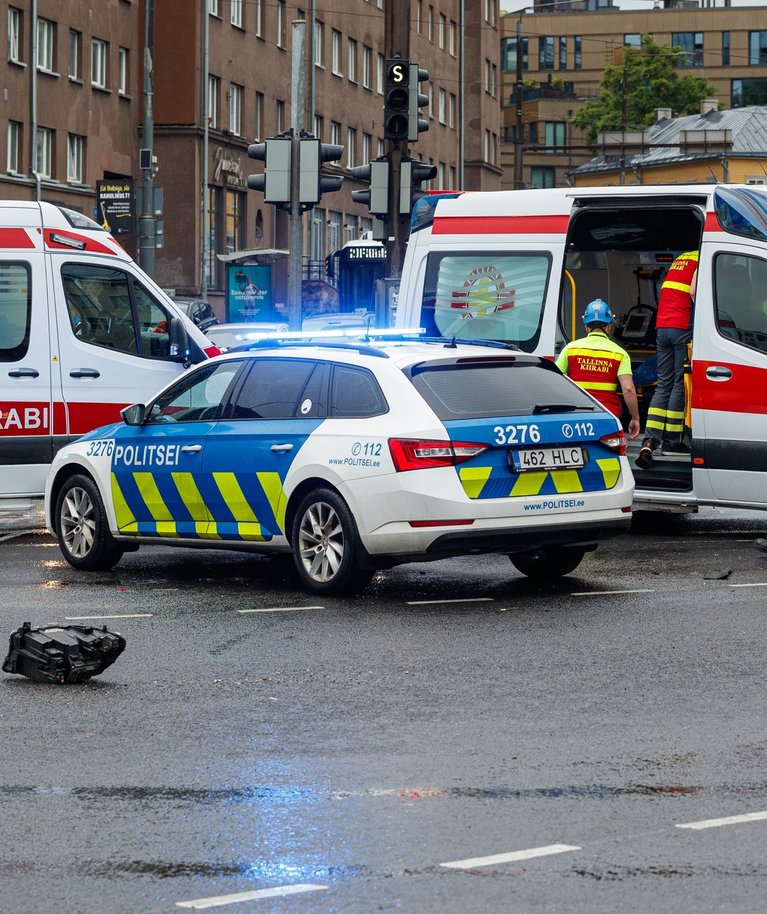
[595, 362]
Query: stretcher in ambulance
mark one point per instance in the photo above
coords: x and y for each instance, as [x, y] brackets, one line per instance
[520, 266]
[83, 333]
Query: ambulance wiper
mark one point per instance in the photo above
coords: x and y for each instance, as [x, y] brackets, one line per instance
[560, 408]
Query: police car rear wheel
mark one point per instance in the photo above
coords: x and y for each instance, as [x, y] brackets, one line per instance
[324, 544]
[548, 563]
[82, 528]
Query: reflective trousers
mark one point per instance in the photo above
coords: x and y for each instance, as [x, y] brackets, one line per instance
[665, 417]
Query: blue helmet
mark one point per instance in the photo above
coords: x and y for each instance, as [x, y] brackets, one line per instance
[597, 311]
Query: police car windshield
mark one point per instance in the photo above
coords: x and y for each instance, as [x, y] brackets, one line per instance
[504, 388]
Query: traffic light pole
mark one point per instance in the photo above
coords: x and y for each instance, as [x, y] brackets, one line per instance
[397, 44]
[297, 102]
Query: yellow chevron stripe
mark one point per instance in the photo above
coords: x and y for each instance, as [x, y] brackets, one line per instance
[275, 494]
[611, 470]
[473, 479]
[529, 483]
[126, 522]
[248, 526]
[193, 501]
[566, 481]
[153, 500]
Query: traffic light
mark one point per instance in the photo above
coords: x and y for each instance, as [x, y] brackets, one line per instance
[376, 175]
[415, 123]
[412, 174]
[397, 99]
[274, 183]
[312, 183]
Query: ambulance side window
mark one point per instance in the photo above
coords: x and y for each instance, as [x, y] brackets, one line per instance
[199, 397]
[15, 311]
[741, 299]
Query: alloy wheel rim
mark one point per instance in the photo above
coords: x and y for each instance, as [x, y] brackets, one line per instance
[321, 542]
[78, 522]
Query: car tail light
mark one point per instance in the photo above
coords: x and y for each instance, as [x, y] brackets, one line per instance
[420, 454]
[616, 441]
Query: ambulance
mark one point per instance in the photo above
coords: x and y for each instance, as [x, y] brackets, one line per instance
[520, 266]
[83, 333]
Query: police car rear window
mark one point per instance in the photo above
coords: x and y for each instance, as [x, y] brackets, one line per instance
[459, 391]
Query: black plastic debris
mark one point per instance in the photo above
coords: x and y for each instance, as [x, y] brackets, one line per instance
[62, 653]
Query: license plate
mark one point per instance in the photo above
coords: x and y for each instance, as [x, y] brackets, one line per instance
[547, 458]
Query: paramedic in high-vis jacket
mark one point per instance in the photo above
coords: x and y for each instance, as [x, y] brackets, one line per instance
[599, 365]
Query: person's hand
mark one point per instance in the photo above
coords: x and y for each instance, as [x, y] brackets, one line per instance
[634, 429]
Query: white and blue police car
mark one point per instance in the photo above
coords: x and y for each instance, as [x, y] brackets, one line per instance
[353, 456]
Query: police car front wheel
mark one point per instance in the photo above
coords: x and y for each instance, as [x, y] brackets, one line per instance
[81, 526]
[548, 563]
[324, 541]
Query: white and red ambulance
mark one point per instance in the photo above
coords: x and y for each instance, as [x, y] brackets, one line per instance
[83, 333]
[520, 266]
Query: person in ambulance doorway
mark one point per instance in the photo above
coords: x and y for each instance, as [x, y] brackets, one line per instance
[599, 365]
[665, 416]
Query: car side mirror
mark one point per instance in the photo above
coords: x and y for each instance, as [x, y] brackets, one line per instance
[133, 415]
[178, 341]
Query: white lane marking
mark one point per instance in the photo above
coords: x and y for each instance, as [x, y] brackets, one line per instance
[604, 593]
[115, 616]
[218, 900]
[278, 609]
[728, 820]
[762, 584]
[528, 854]
[464, 600]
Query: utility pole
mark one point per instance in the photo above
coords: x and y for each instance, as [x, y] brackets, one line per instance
[146, 220]
[297, 102]
[396, 44]
[518, 138]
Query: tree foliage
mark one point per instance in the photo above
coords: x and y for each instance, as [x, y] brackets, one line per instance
[651, 81]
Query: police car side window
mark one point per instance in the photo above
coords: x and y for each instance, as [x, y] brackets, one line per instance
[355, 394]
[275, 389]
[199, 397]
[15, 311]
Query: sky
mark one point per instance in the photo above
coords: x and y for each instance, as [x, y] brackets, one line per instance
[648, 4]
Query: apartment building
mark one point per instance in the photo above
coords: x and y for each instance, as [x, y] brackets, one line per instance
[564, 53]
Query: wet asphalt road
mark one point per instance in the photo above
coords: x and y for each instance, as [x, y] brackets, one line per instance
[351, 748]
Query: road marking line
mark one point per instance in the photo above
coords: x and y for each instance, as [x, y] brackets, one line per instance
[605, 593]
[218, 900]
[762, 584]
[464, 600]
[278, 609]
[528, 854]
[115, 616]
[728, 820]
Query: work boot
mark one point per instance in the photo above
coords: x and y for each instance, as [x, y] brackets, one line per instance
[677, 449]
[644, 458]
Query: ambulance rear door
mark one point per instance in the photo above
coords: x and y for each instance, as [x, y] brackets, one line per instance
[729, 369]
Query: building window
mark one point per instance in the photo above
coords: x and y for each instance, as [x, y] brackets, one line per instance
[367, 67]
[367, 141]
[233, 222]
[632, 40]
[543, 176]
[259, 4]
[442, 106]
[452, 176]
[441, 30]
[452, 107]
[335, 52]
[546, 52]
[380, 148]
[319, 126]
[279, 116]
[319, 35]
[509, 55]
[214, 87]
[757, 48]
[235, 109]
[13, 158]
[335, 133]
[562, 52]
[430, 23]
[419, 17]
[334, 230]
[281, 16]
[748, 92]
[690, 46]
[351, 147]
[554, 137]
[490, 7]
[259, 115]
[577, 53]
[235, 13]
[44, 152]
[75, 158]
[15, 34]
[211, 261]
[99, 63]
[725, 49]
[380, 74]
[213, 8]
[74, 60]
[123, 76]
[490, 147]
[352, 60]
[451, 42]
[46, 44]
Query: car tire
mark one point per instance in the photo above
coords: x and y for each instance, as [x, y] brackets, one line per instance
[324, 541]
[545, 564]
[81, 526]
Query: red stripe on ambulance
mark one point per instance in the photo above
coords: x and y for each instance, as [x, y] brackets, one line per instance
[501, 225]
[743, 393]
[712, 223]
[25, 419]
[78, 242]
[15, 238]
[84, 417]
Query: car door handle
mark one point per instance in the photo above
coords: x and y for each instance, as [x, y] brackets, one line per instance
[282, 448]
[718, 373]
[24, 373]
[191, 448]
[84, 373]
